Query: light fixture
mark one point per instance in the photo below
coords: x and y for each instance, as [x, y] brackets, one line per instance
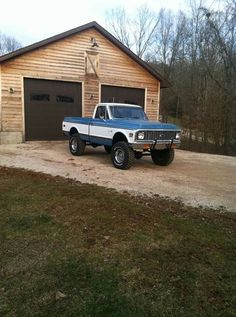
[141, 135]
[91, 97]
[11, 90]
[94, 42]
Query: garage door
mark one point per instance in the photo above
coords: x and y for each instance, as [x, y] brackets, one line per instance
[47, 102]
[123, 94]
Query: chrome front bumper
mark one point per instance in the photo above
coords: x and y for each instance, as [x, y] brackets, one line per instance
[154, 144]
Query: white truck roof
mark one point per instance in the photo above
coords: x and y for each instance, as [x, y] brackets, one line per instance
[117, 104]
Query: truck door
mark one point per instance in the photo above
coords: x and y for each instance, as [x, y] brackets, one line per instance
[99, 127]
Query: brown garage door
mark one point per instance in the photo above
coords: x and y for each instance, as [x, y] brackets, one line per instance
[47, 102]
[122, 94]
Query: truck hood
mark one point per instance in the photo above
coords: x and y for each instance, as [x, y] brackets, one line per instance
[142, 124]
[128, 124]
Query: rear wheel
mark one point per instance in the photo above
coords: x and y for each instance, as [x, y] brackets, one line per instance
[122, 155]
[163, 157]
[76, 145]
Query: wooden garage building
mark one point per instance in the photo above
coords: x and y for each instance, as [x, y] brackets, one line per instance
[67, 75]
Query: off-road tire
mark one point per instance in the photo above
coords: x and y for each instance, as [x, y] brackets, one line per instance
[76, 145]
[122, 155]
[107, 149]
[163, 157]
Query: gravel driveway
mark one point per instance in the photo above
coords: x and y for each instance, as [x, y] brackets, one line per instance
[194, 178]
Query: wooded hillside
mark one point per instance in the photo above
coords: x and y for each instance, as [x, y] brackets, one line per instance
[195, 50]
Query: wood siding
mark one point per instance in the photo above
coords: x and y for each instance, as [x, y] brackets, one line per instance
[65, 60]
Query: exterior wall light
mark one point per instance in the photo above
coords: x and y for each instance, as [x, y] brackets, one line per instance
[94, 42]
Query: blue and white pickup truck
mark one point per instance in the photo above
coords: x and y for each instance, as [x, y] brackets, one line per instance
[125, 132]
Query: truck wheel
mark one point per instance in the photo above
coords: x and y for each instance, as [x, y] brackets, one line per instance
[122, 155]
[162, 157]
[107, 149]
[76, 145]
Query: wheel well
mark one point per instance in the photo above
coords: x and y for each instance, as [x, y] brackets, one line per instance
[73, 131]
[118, 137]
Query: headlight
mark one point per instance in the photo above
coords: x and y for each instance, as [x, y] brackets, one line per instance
[178, 135]
[140, 136]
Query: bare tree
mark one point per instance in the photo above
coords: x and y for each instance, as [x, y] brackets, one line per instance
[196, 51]
[218, 43]
[146, 23]
[119, 24]
[136, 33]
[169, 40]
[8, 44]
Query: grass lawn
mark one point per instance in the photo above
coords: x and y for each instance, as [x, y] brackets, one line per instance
[70, 249]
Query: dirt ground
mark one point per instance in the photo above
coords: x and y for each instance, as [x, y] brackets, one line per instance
[194, 178]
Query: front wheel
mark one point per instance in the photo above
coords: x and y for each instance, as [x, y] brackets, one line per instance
[76, 145]
[122, 155]
[163, 157]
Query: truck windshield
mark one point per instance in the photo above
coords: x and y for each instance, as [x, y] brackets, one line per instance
[126, 112]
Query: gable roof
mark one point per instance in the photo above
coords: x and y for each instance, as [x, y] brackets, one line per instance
[100, 29]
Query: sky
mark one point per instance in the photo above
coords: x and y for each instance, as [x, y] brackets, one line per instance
[30, 21]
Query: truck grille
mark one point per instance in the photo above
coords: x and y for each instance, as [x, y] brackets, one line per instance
[158, 135]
